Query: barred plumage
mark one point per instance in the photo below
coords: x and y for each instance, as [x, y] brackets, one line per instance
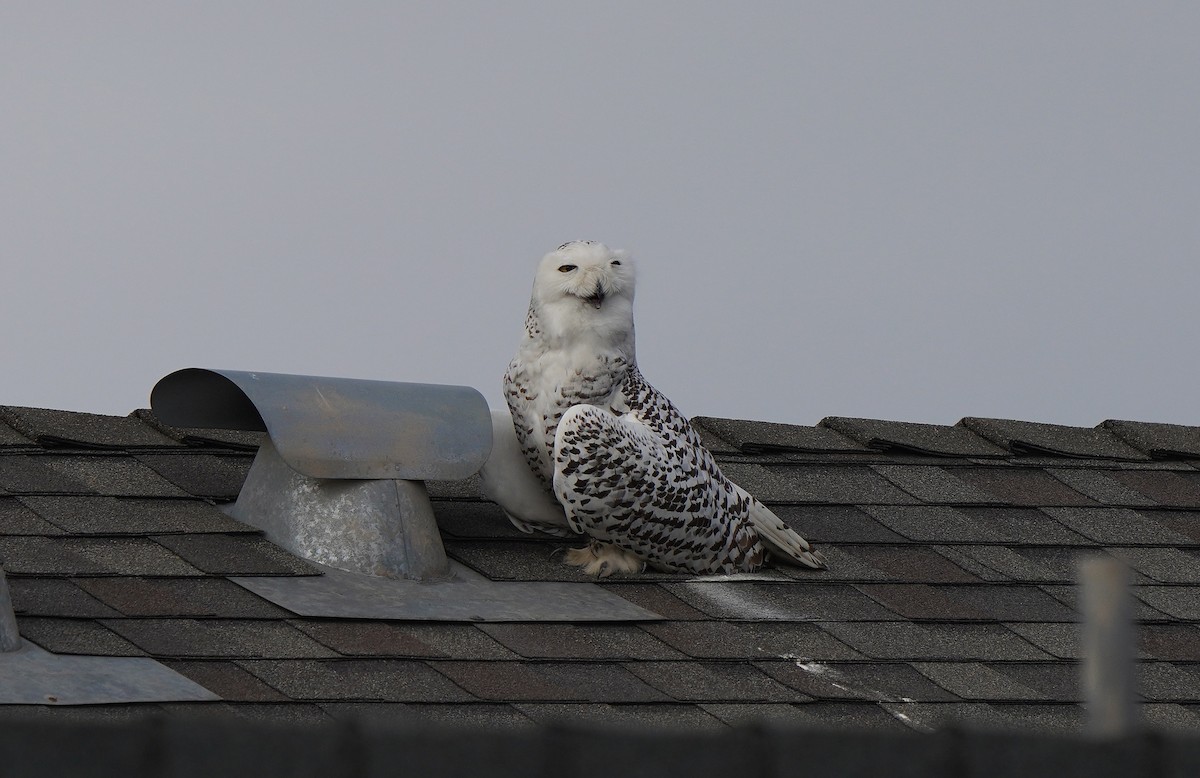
[624, 463]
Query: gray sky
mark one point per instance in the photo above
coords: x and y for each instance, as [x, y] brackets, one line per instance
[916, 211]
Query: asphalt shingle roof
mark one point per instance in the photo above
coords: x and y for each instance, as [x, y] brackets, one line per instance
[949, 596]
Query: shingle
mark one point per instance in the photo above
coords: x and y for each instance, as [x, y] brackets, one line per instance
[466, 489]
[1022, 486]
[10, 438]
[935, 485]
[75, 636]
[714, 682]
[782, 602]
[1173, 642]
[856, 681]
[970, 558]
[227, 680]
[89, 556]
[855, 716]
[763, 436]
[549, 681]
[1180, 602]
[921, 438]
[475, 520]
[1069, 596]
[1059, 640]
[284, 714]
[1185, 523]
[49, 428]
[580, 641]
[395, 680]
[1060, 681]
[842, 566]
[193, 597]
[17, 519]
[43, 556]
[742, 640]
[517, 560]
[755, 714]
[115, 475]
[975, 681]
[711, 440]
[1119, 526]
[485, 716]
[838, 484]
[921, 602]
[1055, 565]
[930, 524]
[1097, 485]
[1158, 440]
[1165, 565]
[1009, 602]
[55, 597]
[1028, 565]
[203, 475]
[1026, 436]
[911, 564]
[96, 515]
[21, 474]
[1026, 526]
[235, 555]
[218, 638]
[835, 524]
[1169, 717]
[1171, 490]
[656, 717]
[195, 436]
[655, 599]
[1166, 682]
[905, 640]
[395, 639]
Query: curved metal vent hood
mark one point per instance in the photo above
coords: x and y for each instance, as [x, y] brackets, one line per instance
[340, 479]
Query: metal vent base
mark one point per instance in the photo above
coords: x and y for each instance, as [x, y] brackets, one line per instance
[33, 676]
[468, 596]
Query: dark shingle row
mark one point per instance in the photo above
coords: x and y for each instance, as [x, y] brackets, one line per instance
[949, 595]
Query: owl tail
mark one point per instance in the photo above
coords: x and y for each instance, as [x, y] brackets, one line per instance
[780, 540]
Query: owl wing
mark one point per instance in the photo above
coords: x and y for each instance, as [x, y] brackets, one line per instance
[620, 482]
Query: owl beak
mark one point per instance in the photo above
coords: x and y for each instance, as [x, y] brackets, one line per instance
[596, 298]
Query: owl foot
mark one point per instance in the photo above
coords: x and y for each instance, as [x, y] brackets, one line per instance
[603, 559]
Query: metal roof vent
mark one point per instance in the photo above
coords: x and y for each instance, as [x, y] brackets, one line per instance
[340, 481]
[10, 639]
[31, 675]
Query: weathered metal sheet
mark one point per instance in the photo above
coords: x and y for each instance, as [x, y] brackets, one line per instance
[33, 676]
[383, 527]
[339, 427]
[468, 597]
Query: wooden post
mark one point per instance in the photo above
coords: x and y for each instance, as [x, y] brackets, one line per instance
[1108, 647]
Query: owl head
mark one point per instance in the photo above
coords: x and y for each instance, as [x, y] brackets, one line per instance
[583, 293]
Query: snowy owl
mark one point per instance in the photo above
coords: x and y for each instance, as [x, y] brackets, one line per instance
[623, 463]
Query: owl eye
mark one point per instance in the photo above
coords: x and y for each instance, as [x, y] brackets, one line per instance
[565, 268]
[616, 262]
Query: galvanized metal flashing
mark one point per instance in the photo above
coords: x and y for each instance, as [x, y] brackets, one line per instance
[31, 675]
[379, 527]
[465, 596]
